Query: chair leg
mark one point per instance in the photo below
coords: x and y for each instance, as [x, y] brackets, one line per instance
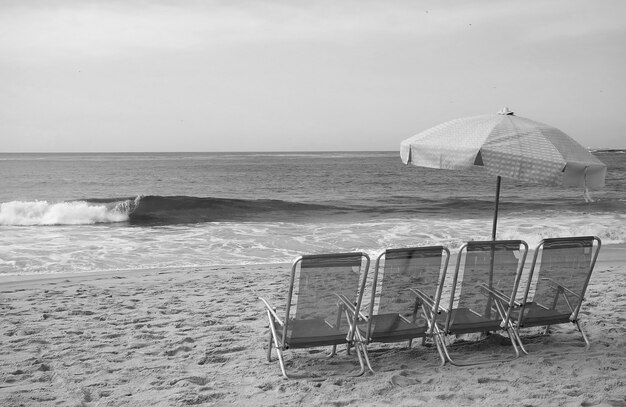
[340, 310]
[364, 360]
[546, 332]
[511, 332]
[440, 349]
[444, 349]
[367, 358]
[361, 363]
[518, 338]
[446, 352]
[281, 361]
[587, 344]
[279, 350]
[360, 346]
[269, 347]
[439, 339]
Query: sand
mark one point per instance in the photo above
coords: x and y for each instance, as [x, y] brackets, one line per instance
[197, 336]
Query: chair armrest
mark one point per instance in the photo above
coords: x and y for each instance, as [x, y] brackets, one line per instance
[559, 286]
[426, 299]
[349, 309]
[404, 319]
[272, 311]
[499, 294]
[537, 304]
[346, 302]
[349, 305]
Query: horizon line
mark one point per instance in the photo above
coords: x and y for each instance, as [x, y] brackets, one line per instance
[591, 149]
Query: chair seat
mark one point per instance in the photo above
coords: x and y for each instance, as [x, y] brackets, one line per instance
[392, 328]
[536, 315]
[311, 333]
[463, 320]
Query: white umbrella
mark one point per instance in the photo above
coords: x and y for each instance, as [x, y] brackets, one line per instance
[507, 146]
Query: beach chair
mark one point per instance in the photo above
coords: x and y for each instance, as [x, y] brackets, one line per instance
[403, 292]
[316, 314]
[557, 282]
[482, 294]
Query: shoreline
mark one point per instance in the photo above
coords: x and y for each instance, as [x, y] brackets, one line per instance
[610, 254]
[9, 279]
[198, 336]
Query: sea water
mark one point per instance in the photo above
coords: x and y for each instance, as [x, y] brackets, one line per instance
[94, 212]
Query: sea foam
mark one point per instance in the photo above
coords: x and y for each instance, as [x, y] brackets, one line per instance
[20, 213]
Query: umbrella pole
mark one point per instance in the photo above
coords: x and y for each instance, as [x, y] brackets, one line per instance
[493, 238]
[495, 213]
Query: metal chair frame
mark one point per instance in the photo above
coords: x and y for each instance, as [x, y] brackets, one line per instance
[497, 301]
[278, 337]
[523, 322]
[422, 300]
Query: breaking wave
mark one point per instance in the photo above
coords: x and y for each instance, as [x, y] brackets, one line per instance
[153, 210]
[20, 213]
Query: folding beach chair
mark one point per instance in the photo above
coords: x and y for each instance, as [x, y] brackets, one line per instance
[403, 292]
[482, 293]
[557, 282]
[320, 288]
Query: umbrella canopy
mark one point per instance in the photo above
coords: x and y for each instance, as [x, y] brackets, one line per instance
[507, 146]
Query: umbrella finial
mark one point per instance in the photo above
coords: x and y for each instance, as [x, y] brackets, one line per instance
[505, 111]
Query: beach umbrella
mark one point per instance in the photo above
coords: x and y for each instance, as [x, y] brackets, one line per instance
[505, 145]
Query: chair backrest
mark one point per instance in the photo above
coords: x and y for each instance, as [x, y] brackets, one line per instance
[399, 270]
[560, 273]
[316, 283]
[495, 265]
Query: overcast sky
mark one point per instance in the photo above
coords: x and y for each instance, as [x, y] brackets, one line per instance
[132, 75]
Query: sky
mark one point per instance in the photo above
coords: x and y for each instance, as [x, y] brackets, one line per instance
[288, 75]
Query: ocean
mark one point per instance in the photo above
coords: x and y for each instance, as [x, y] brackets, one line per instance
[66, 213]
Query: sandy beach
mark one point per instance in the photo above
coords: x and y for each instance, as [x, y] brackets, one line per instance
[197, 336]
